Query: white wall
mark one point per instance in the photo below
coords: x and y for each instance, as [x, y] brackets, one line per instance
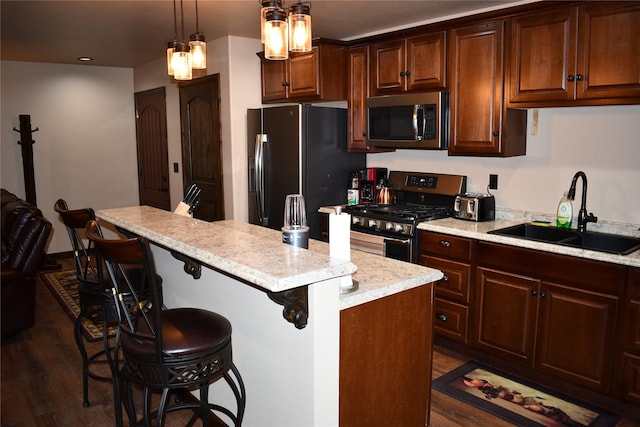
[85, 150]
[604, 142]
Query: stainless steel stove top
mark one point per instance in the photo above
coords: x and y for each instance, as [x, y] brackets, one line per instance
[420, 197]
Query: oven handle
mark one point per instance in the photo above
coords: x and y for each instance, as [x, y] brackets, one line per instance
[378, 245]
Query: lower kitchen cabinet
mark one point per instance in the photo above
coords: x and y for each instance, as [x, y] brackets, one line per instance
[452, 256]
[385, 360]
[554, 313]
[630, 377]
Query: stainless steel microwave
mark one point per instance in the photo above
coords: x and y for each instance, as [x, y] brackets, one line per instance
[416, 120]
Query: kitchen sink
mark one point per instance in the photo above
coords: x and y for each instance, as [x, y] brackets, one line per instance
[591, 240]
[536, 232]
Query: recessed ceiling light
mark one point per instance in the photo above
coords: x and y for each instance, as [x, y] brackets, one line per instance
[85, 59]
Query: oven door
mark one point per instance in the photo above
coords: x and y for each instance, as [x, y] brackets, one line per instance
[389, 247]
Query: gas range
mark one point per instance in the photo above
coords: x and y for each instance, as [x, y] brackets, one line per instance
[400, 219]
[419, 197]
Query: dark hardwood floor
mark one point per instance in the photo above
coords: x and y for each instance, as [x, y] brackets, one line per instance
[41, 381]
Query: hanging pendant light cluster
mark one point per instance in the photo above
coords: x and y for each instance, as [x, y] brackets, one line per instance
[183, 57]
[282, 33]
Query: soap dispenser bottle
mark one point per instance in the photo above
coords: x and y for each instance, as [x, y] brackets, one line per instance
[565, 212]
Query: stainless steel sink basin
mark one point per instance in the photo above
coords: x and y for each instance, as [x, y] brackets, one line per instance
[591, 240]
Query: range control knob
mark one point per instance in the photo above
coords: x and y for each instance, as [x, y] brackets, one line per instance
[399, 228]
[372, 223]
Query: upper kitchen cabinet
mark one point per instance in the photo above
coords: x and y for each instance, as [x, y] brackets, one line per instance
[585, 55]
[481, 125]
[319, 75]
[358, 91]
[409, 64]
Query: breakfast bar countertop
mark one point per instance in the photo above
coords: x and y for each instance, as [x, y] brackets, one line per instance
[257, 255]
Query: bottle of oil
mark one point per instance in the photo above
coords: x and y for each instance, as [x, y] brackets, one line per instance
[565, 212]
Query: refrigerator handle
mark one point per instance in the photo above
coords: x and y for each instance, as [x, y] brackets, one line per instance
[259, 176]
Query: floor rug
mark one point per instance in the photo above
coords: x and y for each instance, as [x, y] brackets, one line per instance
[64, 286]
[518, 401]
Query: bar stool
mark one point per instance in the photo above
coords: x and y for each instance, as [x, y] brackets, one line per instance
[96, 301]
[165, 349]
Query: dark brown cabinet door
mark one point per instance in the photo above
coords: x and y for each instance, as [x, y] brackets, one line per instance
[320, 75]
[480, 123]
[426, 62]
[609, 51]
[576, 54]
[274, 79]
[202, 144]
[303, 75]
[543, 49]
[358, 61]
[152, 148]
[506, 314]
[412, 64]
[575, 321]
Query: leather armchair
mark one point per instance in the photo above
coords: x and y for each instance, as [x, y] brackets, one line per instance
[25, 233]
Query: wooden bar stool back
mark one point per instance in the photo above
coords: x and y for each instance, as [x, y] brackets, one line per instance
[166, 349]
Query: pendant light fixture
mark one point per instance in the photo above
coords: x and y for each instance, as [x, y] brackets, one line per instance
[300, 27]
[276, 36]
[281, 33]
[171, 46]
[266, 6]
[198, 47]
[181, 58]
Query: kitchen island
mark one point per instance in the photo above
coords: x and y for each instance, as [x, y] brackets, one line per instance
[306, 373]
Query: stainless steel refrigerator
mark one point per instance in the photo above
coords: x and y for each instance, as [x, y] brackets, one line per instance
[298, 149]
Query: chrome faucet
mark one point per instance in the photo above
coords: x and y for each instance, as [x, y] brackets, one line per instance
[583, 217]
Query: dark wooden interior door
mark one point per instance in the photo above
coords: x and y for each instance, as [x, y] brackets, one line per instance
[151, 142]
[202, 144]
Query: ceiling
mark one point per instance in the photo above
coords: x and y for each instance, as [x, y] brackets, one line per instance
[129, 33]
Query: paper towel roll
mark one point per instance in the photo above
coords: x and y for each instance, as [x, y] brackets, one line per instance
[340, 243]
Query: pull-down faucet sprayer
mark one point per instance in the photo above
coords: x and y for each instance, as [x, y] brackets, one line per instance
[583, 217]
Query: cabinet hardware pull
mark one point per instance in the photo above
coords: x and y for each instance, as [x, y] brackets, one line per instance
[445, 243]
[401, 73]
[445, 278]
[533, 292]
[570, 78]
[496, 133]
[543, 294]
[285, 84]
[407, 73]
[579, 77]
[441, 316]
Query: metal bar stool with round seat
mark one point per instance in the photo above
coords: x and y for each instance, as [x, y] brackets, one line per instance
[165, 349]
[95, 299]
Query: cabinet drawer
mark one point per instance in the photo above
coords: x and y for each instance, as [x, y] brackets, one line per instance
[445, 245]
[456, 283]
[631, 378]
[450, 320]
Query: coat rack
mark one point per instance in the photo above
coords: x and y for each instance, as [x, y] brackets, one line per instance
[26, 142]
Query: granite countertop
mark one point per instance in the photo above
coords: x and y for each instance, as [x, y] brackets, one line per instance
[257, 255]
[479, 230]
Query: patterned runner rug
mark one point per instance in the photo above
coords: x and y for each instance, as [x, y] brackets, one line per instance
[517, 401]
[64, 286]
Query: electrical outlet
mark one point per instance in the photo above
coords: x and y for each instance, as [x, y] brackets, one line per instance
[175, 167]
[493, 181]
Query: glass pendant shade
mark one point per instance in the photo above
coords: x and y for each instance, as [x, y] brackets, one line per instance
[171, 46]
[267, 6]
[198, 49]
[181, 62]
[276, 44]
[299, 28]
